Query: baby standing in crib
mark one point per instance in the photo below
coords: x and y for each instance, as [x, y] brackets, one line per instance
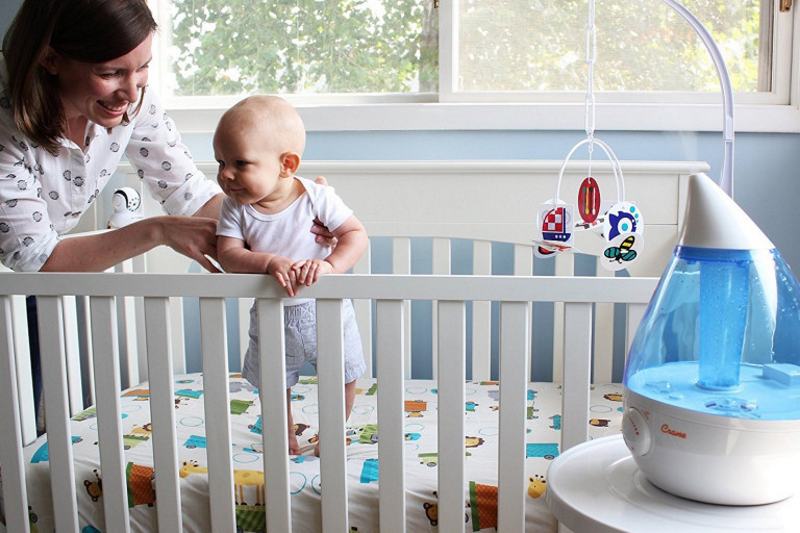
[263, 228]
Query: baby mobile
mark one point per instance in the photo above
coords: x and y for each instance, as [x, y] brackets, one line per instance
[621, 225]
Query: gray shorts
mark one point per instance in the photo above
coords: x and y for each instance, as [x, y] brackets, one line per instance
[300, 332]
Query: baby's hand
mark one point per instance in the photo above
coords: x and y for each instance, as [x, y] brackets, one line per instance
[308, 271]
[280, 268]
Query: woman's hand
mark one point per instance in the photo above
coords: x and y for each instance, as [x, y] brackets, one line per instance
[323, 234]
[195, 237]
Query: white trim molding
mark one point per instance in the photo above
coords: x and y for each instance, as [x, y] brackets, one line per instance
[516, 116]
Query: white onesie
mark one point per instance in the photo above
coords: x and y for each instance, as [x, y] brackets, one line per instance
[288, 234]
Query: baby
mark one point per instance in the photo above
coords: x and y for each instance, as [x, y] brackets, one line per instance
[264, 228]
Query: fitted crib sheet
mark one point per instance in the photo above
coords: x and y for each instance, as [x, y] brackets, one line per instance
[481, 448]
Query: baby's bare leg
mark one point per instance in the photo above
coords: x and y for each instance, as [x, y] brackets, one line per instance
[294, 448]
[349, 398]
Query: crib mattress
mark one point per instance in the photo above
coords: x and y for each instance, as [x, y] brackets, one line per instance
[481, 423]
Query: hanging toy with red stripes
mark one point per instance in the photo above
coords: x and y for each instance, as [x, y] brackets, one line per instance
[615, 233]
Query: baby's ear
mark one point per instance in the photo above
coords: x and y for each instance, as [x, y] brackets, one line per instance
[290, 161]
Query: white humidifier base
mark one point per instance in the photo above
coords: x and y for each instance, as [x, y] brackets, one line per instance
[709, 458]
[597, 487]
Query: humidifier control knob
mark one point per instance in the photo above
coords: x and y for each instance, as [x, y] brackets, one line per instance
[636, 432]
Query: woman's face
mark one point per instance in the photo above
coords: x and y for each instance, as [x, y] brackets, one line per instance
[102, 92]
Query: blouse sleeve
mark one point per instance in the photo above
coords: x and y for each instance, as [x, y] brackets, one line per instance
[27, 237]
[163, 161]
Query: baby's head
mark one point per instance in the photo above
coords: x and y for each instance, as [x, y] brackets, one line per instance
[258, 144]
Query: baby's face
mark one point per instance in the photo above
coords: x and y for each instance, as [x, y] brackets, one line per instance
[248, 171]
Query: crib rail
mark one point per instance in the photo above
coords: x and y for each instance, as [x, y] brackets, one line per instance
[390, 292]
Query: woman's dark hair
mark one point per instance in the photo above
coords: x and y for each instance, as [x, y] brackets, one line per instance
[90, 31]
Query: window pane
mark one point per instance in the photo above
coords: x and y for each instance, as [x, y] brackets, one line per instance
[221, 47]
[642, 45]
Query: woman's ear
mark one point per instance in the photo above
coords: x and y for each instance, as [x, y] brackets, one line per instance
[49, 61]
[290, 161]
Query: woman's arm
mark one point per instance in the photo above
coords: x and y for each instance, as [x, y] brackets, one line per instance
[353, 241]
[211, 208]
[193, 237]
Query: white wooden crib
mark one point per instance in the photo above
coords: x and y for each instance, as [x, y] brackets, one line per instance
[495, 202]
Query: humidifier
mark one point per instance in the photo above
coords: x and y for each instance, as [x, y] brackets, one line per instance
[712, 381]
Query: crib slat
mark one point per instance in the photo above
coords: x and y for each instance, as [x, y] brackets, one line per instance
[363, 310]
[441, 267]
[577, 365]
[515, 327]
[330, 368]
[216, 400]
[14, 494]
[54, 381]
[392, 504]
[273, 410]
[523, 260]
[109, 427]
[565, 266]
[523, 266]
[73, 354]
[162, 412]
[19, 323]
[452, 373]
[635, 315]
[401, 264]
[603, 334]
[481, 316]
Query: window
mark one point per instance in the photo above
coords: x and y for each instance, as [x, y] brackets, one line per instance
[643, 45]
[363, 64]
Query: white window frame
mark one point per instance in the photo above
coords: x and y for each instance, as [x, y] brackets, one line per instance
[777, 111]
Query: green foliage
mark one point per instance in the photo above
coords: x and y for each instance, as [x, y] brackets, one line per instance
[304, 46]
[642, 45]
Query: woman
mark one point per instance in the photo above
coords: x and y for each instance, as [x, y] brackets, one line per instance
[73, 100]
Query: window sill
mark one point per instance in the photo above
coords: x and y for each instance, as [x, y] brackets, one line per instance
[516, 116]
